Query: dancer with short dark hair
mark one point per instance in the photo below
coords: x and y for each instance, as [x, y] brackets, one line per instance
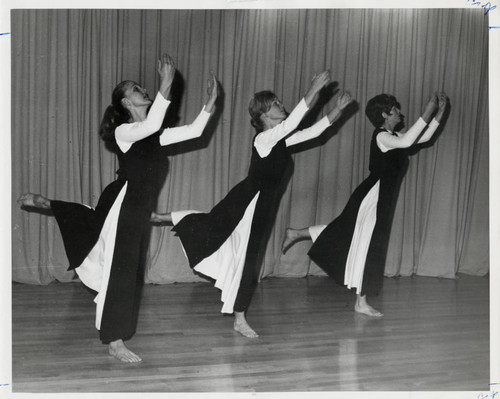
[225, 243]
[352, 248]
[107, 245]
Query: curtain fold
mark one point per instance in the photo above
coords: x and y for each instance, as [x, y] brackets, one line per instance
[65, 64]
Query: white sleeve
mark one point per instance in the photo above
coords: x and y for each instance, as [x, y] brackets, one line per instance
[187, 132]
[128, 133]
[266, 140]
[309, 133]
[387, 141]
[429, 132]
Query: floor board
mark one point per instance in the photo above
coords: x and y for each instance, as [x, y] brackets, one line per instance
[434, 337]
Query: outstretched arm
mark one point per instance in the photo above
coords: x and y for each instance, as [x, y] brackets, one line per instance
[388, 141]
[195, 129]
[128, 133]
[429, 132]
[314, 131]
[213, 92]
[266, 140]
[166, 70]
[318, 82]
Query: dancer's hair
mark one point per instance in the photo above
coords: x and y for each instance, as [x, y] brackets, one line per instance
[260, 104]
[115, 114]
[378, 104]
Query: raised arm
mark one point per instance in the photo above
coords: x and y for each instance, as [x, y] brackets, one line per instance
[429, 132]
[266, 140]
[319, 127]
[195, 129]
[213, 92]
[318, 82]
[166, 70]
[128, 133]
[388, 141]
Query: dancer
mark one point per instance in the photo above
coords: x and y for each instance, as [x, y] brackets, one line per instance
[353, 247]
[107, 245]
[224, 244]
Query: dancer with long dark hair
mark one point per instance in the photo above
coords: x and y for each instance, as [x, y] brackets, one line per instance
[225, 243]
[352, 248]
[107, 245]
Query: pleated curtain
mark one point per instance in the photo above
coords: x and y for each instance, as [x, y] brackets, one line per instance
[65, 64]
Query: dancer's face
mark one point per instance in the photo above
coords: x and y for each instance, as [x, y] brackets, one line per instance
[393, 118]
[276, 113]
[137, 96]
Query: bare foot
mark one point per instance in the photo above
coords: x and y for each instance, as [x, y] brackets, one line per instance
[241, 325]
[362, 307]
[118, 350]
[161, 218]
[34, 201]
[291, 236]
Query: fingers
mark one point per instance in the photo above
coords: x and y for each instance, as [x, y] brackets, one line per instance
[212, 80]
[343, 99]
[442, 100]
[439, 97]
[212, 83]
[166, 61]
[432, 101]
[212, 89]
[322, 77]
[347, 95]
[170, 61]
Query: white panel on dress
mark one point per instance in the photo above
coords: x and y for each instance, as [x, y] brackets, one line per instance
[315, 231]
[95, 269]
[177, 216]
[225, 266]
[365, 223]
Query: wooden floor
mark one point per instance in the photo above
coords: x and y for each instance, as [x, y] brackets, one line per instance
[434, 337]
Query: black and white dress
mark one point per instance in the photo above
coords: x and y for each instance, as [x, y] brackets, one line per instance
[224, 244]
[107, 245]
[352, 248]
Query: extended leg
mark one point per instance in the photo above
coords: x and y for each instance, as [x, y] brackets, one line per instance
[161, 217]
[294, 235]
[33, 201]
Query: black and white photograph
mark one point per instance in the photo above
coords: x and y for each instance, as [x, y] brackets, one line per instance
[251, 198]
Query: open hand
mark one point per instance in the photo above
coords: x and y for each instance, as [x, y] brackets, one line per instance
[319, 81]
[430, 108]
[432, 103]
[212, 86]
[213, 92]
[343, 100]
[442, 100]
[166, 70]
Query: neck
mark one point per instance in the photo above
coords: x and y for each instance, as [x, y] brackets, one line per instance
[270, 123]
[138, 114]
[388, 127]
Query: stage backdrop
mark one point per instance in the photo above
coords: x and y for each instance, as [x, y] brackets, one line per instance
[65, 64]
